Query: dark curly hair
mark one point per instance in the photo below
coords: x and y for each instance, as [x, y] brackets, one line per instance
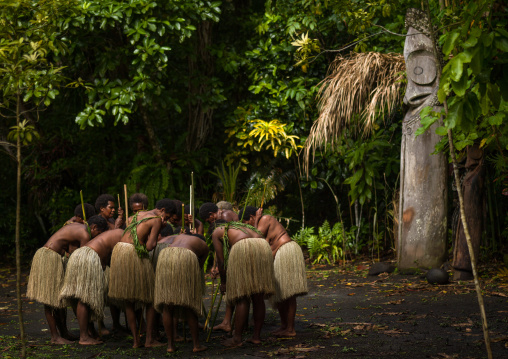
[166, 231]
[206, 209]
[102, 201]
[138, 198]
[249, 211]
[167, 205]
[89, 211]
[99, 221]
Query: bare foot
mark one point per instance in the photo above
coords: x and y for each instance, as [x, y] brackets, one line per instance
[154, 343]
[60, 341]
[231, 343]
[104, 331]
[286, 333]
[199, 348]
[223, 326]
[254, 341]
[171, 349]
[137, 345]
[90, 341]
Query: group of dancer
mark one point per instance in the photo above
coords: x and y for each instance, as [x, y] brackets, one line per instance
[154, 260]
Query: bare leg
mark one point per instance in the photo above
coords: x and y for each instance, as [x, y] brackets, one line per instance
[192, 319]
[259, 311]
[169, 327]
[287, 311]
[115, 316]
[61, 323]
[51, 314]
[83, 315]
[131, 320]
[150, 321]
[242, 314]
[226, 323]
[141, 320]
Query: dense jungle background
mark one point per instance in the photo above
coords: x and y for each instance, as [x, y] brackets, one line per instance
[144, 92]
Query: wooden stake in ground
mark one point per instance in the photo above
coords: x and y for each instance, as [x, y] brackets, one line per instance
[263, 197]
[461, 201]
[192, 211]
[214, 318]
[126, 204]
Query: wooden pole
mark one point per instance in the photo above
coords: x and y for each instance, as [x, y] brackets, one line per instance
[126, 204]
[182, 229]
[192, 212]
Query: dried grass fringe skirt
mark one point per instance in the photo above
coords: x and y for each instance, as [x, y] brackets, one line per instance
[131, 278]
[290, 272]
[46, 278]
[84, 281]
[250, 270]
[179, 280]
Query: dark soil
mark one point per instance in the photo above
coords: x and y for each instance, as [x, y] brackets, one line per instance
[346, 314]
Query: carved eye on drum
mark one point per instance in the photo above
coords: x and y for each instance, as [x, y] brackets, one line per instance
[421, 67]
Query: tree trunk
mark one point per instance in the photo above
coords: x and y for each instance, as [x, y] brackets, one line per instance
[473, 191]
[18, 230]
[200, 125]
[151, 134]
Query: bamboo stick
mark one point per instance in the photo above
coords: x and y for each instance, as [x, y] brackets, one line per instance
[214, 318]
[82, 205]
[182, 229]
[209, 315]
[126, 204]
[245, 206]
[192, 210]
[263, 197]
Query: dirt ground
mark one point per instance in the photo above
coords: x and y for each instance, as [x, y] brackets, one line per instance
[346, 314]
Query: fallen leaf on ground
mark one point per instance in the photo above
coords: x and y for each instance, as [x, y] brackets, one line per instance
[499, 339]
[394, 302]
[395, 332]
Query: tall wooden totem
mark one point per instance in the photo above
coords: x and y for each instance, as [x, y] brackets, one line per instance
[423, 193]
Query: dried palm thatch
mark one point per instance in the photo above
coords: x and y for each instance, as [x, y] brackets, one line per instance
[361, 87]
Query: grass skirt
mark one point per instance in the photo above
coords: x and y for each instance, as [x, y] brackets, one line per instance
[131, 278]
[290, 273]
[179, 280]
[46, 278]
[250, 269]
[84, 280]
[154, 255]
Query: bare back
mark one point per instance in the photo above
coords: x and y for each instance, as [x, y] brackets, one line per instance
[193, 243]
[147, 230]
[274, 232]
[104, 243]
[68, 238]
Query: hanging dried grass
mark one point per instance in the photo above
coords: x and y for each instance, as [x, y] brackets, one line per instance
[362, 86]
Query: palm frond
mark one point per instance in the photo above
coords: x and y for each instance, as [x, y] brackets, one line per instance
[359, 89]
